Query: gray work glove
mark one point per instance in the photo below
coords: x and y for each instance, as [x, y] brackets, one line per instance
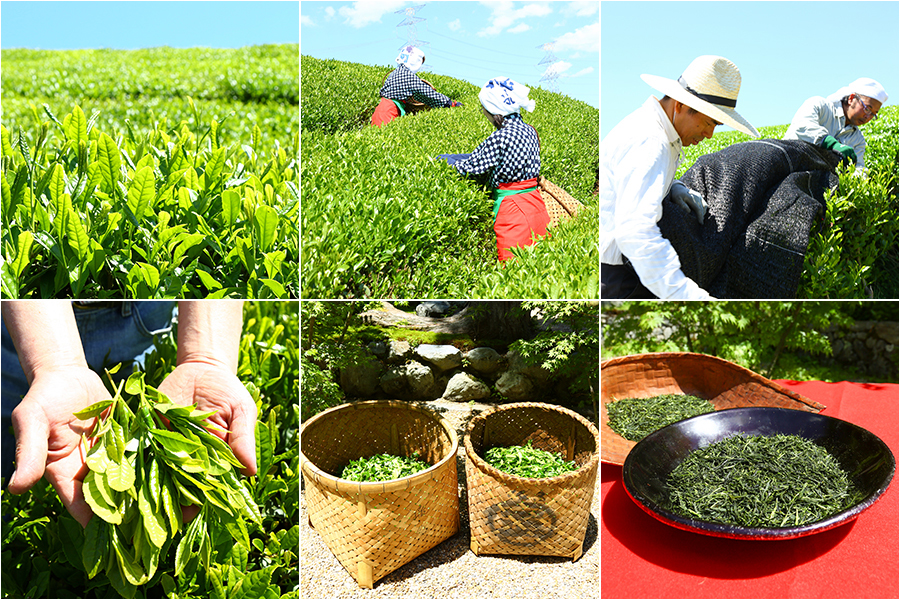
[689, 200]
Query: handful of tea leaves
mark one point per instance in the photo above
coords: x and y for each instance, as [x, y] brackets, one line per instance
[525, 461]
[142, 472]
[760, 481]
[636, 418]
[383, 467]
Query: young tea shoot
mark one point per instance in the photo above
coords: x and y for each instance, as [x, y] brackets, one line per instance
[141, 474]
[760, 481]
[525, 461]
[636, 418]
[383, 467]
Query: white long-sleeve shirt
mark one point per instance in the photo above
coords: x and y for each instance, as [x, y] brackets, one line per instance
[638, 159]
[817, 117]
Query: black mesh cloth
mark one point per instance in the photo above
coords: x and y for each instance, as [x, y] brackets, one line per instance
[764, 197]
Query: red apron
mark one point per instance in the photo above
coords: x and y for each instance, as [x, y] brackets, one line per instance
[522, 217]
[385, 112]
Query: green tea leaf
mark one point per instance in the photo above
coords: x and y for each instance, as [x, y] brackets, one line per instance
[94, 409]
[95, 552]
[265, 221]
[23, 253]
[231, 206]
[120, 475]
[110, 163]
[98, 504]
[141, 193]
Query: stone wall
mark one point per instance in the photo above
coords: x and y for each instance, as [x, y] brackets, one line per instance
[430, 372]
[869, 346]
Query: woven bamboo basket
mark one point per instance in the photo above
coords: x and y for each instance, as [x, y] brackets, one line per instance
[560, 205]
[723, 383]
[519, 515]
[374, 528]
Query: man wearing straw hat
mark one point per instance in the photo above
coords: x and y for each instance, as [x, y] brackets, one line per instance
[640, 157]
[833, 122]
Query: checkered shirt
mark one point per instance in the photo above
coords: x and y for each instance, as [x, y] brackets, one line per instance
[403, 83]
[512, 153]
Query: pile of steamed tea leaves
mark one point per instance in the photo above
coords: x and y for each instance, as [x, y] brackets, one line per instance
[526, 461]
[636, 418]
[760, 481]
[383, 467]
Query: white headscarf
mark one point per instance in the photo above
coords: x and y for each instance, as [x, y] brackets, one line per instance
[864, 87]
[505, 96]
[412, 57]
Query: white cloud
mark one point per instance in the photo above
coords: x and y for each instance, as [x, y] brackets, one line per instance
[329, 13]
[558, 67]
[454, 25]
[363, 13]
[584, 71]
[304, 20]
[581, 9]
[584, 39]
[504, 15]
[520, 28]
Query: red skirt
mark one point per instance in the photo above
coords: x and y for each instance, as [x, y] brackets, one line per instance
[385, 112]
[521, 219]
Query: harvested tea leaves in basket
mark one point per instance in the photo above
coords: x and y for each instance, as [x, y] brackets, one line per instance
[760, 481]
[383, 467]
[636, 418]
[525, 461]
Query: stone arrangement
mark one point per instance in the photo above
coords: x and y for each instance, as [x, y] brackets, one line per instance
[429, 372]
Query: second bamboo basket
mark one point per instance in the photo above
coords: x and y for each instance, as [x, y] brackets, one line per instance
[519, 515]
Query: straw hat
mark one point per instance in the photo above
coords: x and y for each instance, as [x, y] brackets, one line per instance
[710, 85]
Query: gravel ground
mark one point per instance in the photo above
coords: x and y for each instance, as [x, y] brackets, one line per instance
[451, 570]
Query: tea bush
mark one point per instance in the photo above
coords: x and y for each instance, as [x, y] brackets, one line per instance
[381, 218]
[855, 255]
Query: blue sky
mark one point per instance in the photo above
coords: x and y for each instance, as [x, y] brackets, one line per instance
[786, 51]
[473, 41]
[132, 25]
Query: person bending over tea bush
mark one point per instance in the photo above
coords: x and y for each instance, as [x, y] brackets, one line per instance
[403, 91]
[509, 160]
[60, 345]
[833, 122]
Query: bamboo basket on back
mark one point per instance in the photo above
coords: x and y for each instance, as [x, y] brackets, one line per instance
[374, 528]
[559, 203]
[519, 515]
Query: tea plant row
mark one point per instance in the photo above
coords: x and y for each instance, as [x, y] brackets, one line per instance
[381, 218]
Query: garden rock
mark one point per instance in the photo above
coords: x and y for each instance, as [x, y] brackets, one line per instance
[484, 360]
[379, 349]
[361, 379]
[420, 379]
[465, 388]
[398, 351]
[514, 386]
[393, 382]
[443, 358]
[433, 309]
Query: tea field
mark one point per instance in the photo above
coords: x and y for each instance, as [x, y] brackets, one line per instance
[382, 218]
[855, 255]
[156, 173]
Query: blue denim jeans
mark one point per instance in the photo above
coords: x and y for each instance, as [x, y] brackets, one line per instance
[111, 333]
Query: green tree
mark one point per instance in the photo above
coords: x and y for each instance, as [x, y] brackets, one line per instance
[754, 334]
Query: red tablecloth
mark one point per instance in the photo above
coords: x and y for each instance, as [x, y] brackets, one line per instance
[644, 558]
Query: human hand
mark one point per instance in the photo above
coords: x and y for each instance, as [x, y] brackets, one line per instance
[689, 200]
[846, 151]
[48, 435]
